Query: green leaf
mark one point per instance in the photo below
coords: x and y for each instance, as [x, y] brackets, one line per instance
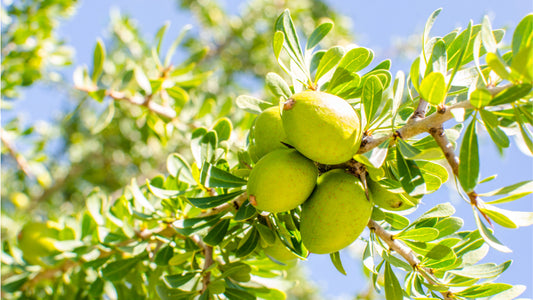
[511, 94]
[429, 23]
[315, 59]
[396, 221]
[139, 197]
[458, 48]
[480, 98]
[488, 237]
[159, 36]
[393, 289]
[213, 201]
[433, 88]
[266, 233]
[235, 294]
[522, 65]
[179, 95]
[439, 211]
[469, 158]
[407, 149]
[410, 176]
[178, 259]
[489, 42]
[497, 65]
[437, 61]
[219, 178]
[178, 167]
[522, 33]
[355, 60]
[104, 119]
[517, 188]
[483, 290]
[188, 226]
[511, 293]
[508, 218]
[164, 255]
[166, 293]
[98, 60]
[217, 233]
[278, 86]
[524, 130]
[330, 59]
[488, 270]
[177, 280]
[371, 98]
[251, 239]
[292, 44]
[490, 120]
[434, 174]
[440, 252]
[117, 270]
[414, 74]
[399, 84]
[13, 283]
[448, 226]
[419, 234]
[246, 211]
[175, 44]
[318, 34]
[336, 260]
[252, 104]
[277, 43]
[223, 129]
[142, 80]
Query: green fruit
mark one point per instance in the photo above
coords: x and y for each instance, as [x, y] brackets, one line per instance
[36, 240]
[390, 200]
[268, 132]
[279, 252]
[336, 213]
[281, 180]
[323, 127]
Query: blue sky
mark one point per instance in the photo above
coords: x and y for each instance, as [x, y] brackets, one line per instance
[377, 25]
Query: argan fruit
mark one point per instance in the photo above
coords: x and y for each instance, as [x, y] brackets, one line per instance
[388, 200]
[36, 240]
[281, 180]
[279, 251]
[336, 213]
[323, 127]
[268, 132]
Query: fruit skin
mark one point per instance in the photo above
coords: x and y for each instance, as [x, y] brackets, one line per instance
[268, 132]
[279, 252]
[336, 213]
[389, 200]
[36, 240]
[323, 127]
[281, 180]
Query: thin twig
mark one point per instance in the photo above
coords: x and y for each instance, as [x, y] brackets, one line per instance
[439, 135]
[405, 252]
[420, 111]
[21, 161]
[165, 111]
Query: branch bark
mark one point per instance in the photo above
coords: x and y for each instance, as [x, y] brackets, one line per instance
[405, 252]
[19, 159]
[164, 111]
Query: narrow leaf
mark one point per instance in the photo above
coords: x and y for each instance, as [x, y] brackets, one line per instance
[410, 176]
[318, 34]
[490, 120]
[98, 60]
[220, 178]
[419, 234]
[330, 59]
[469, 158]
[213, 201]
[393, 289]
[278, 86]
[487, 235]
[483, 290]
[336, 260]
[217, 233]
[522, 33]
[177, 280]
[117, 270]
[489, 42]
[511, 94]
[433, 88]
[371, 98]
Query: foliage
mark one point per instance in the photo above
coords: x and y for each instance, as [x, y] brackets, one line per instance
[152, 202]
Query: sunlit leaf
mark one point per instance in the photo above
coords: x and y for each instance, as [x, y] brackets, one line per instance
[433, 88]
[469, 158]
[487, 235]
[393, 289]
[336, 260]
[318, 34]
[98, 60]
[330, 59]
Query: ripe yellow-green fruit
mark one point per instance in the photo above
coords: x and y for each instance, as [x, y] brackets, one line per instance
[389, 200]
[281, 180]
[336, 213]
[268, 132]
[323, 127]
[279, 252]
[36, 240]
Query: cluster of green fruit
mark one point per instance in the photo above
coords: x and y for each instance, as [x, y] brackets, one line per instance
[325, 129]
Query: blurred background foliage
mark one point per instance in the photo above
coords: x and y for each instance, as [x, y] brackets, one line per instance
[50, 166]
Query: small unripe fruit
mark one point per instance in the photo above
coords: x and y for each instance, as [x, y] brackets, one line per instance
[336, 213]
[36, 240]
[281, 180]
[268, 132]
[323, 127]
[389, 200]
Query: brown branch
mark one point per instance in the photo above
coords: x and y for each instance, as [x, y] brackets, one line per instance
[208, 252]
[164, 111]
[439, 135]
[19, 159]
[420, 111]
[405, 252]
[416, 127]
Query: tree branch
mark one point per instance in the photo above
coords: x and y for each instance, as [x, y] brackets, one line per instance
[19, 159]
[416, 126]
[406, 253]
[420, 111]
[164, 111]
